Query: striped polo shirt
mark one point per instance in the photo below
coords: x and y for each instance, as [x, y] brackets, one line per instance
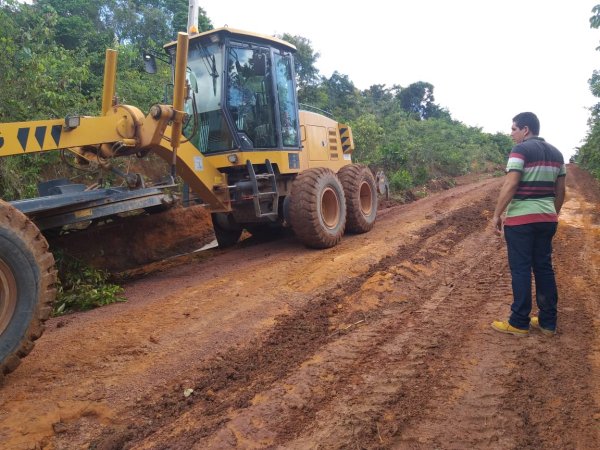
[540, 164]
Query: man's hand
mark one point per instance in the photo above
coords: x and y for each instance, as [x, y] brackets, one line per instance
[497, 224]
[511, 183]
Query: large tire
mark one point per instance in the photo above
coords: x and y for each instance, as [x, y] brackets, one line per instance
[318, 208]
[227, 231]
[361, 197]
[27, 286]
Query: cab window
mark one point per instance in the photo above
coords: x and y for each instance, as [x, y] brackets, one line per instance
[288, 112]
[249, 96]
[210, 132]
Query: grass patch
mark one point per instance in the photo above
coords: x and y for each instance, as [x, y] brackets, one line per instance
[81, 287]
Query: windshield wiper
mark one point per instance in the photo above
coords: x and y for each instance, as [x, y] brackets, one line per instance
[211, 66]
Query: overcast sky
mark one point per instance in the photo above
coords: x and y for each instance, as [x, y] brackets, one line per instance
[487, 59]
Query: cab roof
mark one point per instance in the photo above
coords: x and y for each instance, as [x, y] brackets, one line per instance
[219, 33]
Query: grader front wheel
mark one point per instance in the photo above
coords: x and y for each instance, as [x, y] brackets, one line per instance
[318, 208]
[27, 290]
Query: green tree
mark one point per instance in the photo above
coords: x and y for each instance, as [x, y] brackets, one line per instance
[588, 154]
[79, 23]
[342, 96]
[46, 80]
[368, 136]
[380, 100]
[204, 23]
[307, 74]
[419, 102]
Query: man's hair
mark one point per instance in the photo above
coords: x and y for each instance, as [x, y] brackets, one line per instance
[529, 120]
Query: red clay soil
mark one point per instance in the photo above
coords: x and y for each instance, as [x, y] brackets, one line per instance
[383, 341]
[130, 242]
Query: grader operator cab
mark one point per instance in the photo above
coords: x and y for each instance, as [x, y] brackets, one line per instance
[248, 154]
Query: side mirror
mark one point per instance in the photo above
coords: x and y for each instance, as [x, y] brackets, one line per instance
[149, 63]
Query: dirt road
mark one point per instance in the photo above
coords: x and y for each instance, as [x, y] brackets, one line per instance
[381, 342]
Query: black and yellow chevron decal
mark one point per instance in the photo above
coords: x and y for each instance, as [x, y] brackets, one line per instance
[43, 135]
[346, 138]
[40, 135]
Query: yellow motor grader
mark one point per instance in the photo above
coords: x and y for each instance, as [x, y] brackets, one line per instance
[234, 134]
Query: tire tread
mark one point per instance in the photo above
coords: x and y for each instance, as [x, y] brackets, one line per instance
[36, 244]
[351, 177]
[304, 209]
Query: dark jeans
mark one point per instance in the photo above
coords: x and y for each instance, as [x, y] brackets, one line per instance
[530, 247]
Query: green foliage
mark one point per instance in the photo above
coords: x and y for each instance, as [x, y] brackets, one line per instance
[45, 79]
[401, 180]
[81, 287]
[381, 101]
[134, 85]
[342, 95]
[414, 140]
[20, 174]
[427, 149]
[595, 18]
[204, 23]
[418, 100]
[368, 136]
[304, 64]
[588, 155]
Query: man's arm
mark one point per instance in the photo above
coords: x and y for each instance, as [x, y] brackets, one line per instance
[559, 188]
[511, 183]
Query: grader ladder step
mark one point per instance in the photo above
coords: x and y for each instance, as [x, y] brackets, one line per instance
[269, 194]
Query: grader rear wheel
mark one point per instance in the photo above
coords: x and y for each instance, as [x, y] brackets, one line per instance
[361, 197]
[27, 290]
[318, 208]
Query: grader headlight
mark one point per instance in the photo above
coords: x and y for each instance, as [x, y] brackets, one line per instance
[72, 122]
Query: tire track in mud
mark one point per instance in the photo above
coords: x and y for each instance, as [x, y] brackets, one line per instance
[443, 364]
[235, 380]
[351, 392]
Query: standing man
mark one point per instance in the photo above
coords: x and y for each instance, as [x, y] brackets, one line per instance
[534, 191]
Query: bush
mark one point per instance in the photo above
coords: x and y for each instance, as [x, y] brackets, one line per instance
[81, 287]
[401, 180]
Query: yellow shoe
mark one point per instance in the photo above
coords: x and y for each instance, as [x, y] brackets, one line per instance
[535, 323]
[505, 327]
